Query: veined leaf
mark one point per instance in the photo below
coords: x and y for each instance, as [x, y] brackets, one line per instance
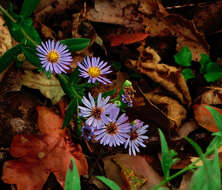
[111, 184]
[8, 56]
[76, 44]
[188, 73]
[31, 56]
[72, 107]
[166, 156]
[72, 177]
[217, 117]
[183, 57]
[28, 7]
[213, 72]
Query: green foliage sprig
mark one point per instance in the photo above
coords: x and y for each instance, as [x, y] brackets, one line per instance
[210, 70]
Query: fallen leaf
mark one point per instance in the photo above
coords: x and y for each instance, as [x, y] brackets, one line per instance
[168, 76]
[204, 117]
[135, 164]
[127, 39]
[213, 95]
[48, 87]
[47, 32]
[184, 185]
[38, 155]
[175, 112]
[5, 41]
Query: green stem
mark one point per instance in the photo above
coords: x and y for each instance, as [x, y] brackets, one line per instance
[6, 13]
[189, 167]
[29, 38]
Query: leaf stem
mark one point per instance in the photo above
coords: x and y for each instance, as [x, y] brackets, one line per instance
[189, 167]
[29, 38]
[6, 13]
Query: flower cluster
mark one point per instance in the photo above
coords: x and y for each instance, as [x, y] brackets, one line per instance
[105, 123]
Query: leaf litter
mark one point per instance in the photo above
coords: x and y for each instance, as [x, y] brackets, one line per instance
[164, 98]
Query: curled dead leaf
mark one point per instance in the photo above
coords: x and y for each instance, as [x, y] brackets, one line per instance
[175, 112]
[204, 117]
[168, 76]
[213, 95]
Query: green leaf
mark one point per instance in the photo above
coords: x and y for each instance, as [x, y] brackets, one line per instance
[166, 156]
[64, 81]
[8, 56]
[205, 59]
[188, 73]
[213, 72]
[76, 44]
[70, 112]
[214, 145]
[72, 177]
[217, 117]
[28, 7]
[31, 56]
[109, 93]
[111, 184]
[183, 57]
[198, 180]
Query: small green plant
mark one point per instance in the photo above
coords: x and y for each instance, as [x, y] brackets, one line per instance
[73, 181]
[208, 175]
[210, 70]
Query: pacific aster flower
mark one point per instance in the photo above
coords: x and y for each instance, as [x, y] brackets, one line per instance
[54, 56]
[136, 137]
[87, 132]
[94, 69]
[96, 114]
[114, 132]
[127, 100]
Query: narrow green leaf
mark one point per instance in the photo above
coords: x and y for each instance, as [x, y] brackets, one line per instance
[188, 74]
[213, 72]
[217, 117]
[8, 56]
[72, 181]
[72, 107]
[183, 57]
[215, 173]
[166, 156]
[28, 7]
[111, 184]
[109, 93]
[205, 59]
[66, 86]
[198, 180]
[214, 145]
[31, 56]
[76, 44]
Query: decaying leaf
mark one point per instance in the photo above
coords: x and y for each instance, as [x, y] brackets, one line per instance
[150, 14]
[213, 95]
[47, 32]
[204, 117]
[137, 164]
[175, 112]
[48, 87]
[5, 41]
[127, 39]
[184, 185]
[168, 76]
[38, 155]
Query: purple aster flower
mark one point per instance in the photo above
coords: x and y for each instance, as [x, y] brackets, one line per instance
[94, 69]
[114, 132]
[96, 114]
[87, 132]
[136, 137]
[127, 100]
[54, 56]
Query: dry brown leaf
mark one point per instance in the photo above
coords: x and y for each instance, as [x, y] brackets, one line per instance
[47, 32]
[48, 87]
[5, 42]
[168, 76]
[184, 185]
[213, 95]
[204, 117]
[175, 112]
[137, 163]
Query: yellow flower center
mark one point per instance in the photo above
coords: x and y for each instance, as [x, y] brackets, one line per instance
[52, 56]
[94, 72]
